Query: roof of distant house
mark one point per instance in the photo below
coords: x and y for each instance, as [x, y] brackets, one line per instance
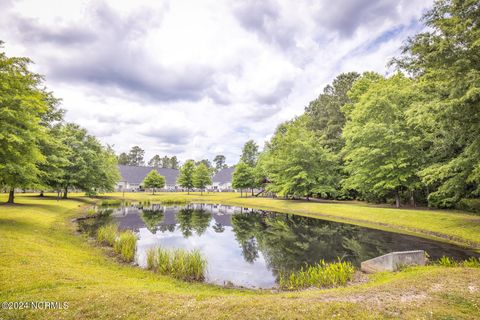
[224, 175]
[135, 175]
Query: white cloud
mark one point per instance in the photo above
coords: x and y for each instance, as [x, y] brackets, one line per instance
[198, 78]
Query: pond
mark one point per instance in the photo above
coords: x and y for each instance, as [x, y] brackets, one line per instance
[248, 247]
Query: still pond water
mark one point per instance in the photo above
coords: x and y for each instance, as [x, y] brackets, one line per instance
[247, 247]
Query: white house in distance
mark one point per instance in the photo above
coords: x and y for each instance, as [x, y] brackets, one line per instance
[132, 177]
[222, 180]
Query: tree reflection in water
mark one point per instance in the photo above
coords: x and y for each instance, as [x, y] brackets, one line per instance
[190, 219]
[102, 218]
[288, 242]
[152, 217]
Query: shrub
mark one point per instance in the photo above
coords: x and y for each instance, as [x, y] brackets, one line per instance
[107, 234]
[179, 263]
[125, 245]
[319, 275]
[472, 205]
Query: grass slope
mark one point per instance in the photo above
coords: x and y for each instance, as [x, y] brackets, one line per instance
[42, 258]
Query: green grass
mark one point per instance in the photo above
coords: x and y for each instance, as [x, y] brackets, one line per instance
[320, 275]
[43, 258]
[125, 245]
[179, 263]
[107, 234]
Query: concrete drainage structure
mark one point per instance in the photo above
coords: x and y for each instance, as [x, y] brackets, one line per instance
[393, 261]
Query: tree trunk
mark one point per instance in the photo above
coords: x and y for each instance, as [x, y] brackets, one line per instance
[11, 195]
[65, 193]
[188, 190]
[241, 193]
[412, 199]
[153, 190]
[397, 199]
[252, 192]
[41, 194]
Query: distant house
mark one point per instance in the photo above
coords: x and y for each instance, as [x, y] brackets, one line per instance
[222, 180]
[132, 177]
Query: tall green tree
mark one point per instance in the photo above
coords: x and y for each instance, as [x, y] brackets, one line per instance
[243, 177]
[185, 177]
[446, 62]
[174, 163]
[154, 180]
[123, 158]
[250, 153]
[206, 162]
[382, 148]
[24, 106]
[297, 165]
[166, 162]
[202, 177]
[91, 166]
[219, 161]
[106, 168]
[155, 161]
[56, 160]
[325, 117]
[135, 156]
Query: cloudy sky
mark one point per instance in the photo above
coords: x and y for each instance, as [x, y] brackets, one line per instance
[199, 78]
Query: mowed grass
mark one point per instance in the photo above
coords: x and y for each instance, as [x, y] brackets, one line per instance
[42, 258]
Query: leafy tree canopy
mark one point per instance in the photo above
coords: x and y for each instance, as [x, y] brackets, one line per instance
[382, 148]
[250, 153]
[154, 180]
[185, 177]
[202, 176]
[296, 164]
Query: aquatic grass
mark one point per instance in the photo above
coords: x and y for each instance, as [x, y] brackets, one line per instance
[151, 265]
[163, 261]
[471, 262]
[178, 263]
[125, 245]
[447, 262]
[111, 202]
[107, 234]
[174, 201]
[319, 275]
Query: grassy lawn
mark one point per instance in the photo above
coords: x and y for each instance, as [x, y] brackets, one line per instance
[42, 258]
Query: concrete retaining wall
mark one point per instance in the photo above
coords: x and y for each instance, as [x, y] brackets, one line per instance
[392, 261]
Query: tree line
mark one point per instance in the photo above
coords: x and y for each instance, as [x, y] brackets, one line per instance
[136, 157]
[410, 137]
[38, 149]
